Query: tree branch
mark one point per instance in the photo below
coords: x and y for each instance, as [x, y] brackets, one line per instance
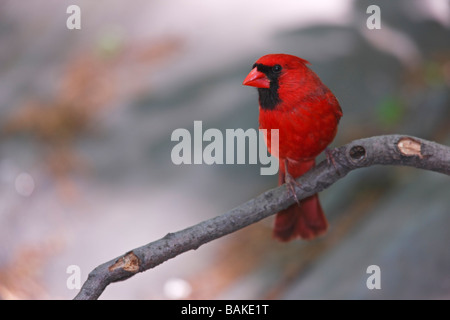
[379, 150]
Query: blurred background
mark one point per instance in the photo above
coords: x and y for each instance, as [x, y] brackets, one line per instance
[86, 118]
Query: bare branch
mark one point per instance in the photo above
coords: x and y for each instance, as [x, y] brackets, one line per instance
[380, 150]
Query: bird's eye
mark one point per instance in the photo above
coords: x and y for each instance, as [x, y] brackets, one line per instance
[276, 68]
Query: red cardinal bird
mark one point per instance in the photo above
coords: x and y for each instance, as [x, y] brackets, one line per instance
[293, 100]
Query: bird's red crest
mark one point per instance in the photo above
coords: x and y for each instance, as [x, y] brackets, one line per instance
[282, 59]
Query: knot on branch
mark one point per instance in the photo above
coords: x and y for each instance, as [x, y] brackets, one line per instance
[410, 147]
[129, 262]
[357, 153]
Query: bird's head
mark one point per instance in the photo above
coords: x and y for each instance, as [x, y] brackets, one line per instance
[272, 72]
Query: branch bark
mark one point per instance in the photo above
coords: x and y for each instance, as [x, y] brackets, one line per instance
[380, 150]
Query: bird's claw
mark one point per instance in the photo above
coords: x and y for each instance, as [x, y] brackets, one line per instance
[291, 184]
[330, 157]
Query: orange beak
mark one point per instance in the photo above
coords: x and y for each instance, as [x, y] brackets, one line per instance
[256, 79]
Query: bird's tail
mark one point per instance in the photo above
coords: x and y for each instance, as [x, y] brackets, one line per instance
[305, 221]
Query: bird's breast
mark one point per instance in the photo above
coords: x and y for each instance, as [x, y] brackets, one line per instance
[303, 132]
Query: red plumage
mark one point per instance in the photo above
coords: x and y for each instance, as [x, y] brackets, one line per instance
[294, 100]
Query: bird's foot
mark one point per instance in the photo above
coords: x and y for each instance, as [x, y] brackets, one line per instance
[329, 153]
[291, 183]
